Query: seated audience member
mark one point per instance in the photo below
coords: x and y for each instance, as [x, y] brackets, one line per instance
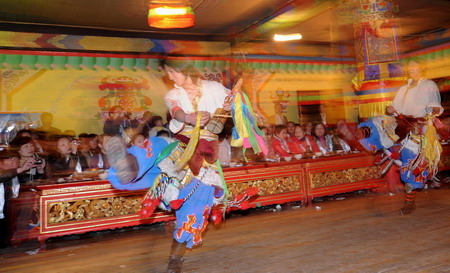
[322, 140]
[159, 126]
[83, 146]
[308, 128]
[290, 128]
[100, 141]
[23, 167]
[40, 143]
[306, 141]
[269, 128]
[138, 140]
[165, 135]
[337, 143]
[281, 145]
[26, 150]
[36, 139]
[9, 170]
[66, 159]
[134, 120]
[95, 157]
[114, 124]
[348, 134]
[146, 124]
[297, 138]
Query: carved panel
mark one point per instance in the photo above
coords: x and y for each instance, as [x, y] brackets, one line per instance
[344, 176]
[69, 211]
[266, 186]
[76, 189]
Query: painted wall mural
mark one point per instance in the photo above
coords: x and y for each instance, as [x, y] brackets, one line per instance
[67, 84]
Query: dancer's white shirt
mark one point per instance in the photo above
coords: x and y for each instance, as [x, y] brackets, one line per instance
[418, 101]
[213, 97]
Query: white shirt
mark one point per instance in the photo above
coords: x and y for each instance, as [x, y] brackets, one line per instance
[212, 97]
[417, 101]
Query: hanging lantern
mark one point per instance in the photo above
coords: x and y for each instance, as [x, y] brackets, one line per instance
[170, 14]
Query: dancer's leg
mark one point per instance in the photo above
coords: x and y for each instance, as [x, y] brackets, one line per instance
[125, 165]
[176, 257]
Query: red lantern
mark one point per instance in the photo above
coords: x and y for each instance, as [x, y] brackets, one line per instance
[170, 14]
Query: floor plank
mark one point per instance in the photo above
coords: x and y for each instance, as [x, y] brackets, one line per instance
[362, 233]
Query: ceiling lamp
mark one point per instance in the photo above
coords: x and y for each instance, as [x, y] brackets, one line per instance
[287, 37]
[170, 14]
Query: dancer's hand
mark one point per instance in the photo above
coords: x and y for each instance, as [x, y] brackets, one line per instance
[390, 109]
[192, 118]
[436, 111]
[227, 105]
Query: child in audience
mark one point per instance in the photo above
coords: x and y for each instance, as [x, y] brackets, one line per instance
[281, 144]
[305, 141]
[159, 126]
[138, 140]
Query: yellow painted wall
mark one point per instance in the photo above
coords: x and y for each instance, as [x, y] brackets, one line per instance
[72, 96]
[290, 83]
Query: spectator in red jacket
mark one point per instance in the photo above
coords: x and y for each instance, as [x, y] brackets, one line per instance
[282, 145]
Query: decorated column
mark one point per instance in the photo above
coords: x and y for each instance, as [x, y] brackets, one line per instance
[379, 73]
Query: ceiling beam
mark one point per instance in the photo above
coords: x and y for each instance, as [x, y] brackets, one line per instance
[293, 14]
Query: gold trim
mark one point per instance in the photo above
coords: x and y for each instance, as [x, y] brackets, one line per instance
[59, 211]
[325, 179]
[266, 186]
[76, 189]
[100, 225]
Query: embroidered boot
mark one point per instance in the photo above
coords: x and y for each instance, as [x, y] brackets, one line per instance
[176, 257]
[410, 203]
[124, 164]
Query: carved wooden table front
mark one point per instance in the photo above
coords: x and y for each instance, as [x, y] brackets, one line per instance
[78, 207]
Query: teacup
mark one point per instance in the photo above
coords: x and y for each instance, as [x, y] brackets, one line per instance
[298, 157]
[287, 158]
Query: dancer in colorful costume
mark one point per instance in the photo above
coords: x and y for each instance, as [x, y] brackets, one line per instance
[415, 107]
[185, 175]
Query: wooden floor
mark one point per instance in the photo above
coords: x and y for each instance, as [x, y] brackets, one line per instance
[362, 233]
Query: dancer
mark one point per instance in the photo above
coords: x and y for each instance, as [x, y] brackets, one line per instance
[416, 104]
[185, 175]
[415, 107]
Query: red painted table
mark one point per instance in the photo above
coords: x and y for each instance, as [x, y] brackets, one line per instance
[78, 207]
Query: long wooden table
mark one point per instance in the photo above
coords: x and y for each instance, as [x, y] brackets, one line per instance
[78, 207]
